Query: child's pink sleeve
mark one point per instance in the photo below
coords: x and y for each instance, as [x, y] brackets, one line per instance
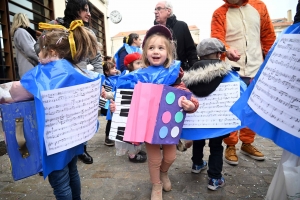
[19, 93]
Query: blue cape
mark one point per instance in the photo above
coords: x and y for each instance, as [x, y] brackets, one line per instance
[151, 74]
[258, 124]
[129, 50]
[206, 133]
[54, 75]
[111, 81]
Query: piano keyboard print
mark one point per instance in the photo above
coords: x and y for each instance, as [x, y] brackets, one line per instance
[103, 101]
[119, 119]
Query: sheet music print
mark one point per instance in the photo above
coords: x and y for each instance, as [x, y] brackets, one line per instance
[276, 95]
[120, 116]
[71, 115]
[213, 111]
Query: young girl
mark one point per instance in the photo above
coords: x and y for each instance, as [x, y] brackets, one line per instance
[111, 77]
[158, 55]
[132, 62]
[58, 69]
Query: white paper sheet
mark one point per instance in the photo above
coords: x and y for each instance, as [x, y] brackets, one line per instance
[71, 115]
[276, 95]
[213, 111]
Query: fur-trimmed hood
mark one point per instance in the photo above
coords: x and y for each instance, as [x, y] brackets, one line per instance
[205, 76]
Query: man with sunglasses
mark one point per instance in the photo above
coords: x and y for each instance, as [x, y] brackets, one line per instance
[185, 46]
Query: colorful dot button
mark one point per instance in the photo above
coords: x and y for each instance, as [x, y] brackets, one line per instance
[175, 131]
[178, 117]
[166, 117]
[163, 132]
[170, 98]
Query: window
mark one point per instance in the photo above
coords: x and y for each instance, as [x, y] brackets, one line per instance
[37, 11]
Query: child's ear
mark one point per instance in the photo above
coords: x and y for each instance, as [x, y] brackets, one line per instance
[53, 53]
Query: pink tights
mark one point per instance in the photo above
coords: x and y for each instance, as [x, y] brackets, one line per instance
[159, 160]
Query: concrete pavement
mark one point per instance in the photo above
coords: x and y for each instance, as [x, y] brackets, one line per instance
[115, 178]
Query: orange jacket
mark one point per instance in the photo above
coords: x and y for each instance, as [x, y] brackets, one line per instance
[246, 28]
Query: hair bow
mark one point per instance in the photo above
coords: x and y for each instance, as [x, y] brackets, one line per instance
[74, 24]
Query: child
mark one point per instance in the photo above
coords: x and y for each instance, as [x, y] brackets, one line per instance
[133, 61]
[158, 57]
[135, 154]
[110, 73]
[58, 69]
[203, 78]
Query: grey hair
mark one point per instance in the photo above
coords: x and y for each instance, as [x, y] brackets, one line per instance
[169, 5]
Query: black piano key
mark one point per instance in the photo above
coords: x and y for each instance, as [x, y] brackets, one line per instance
[126, 97]
[126, 92]
[125, 102]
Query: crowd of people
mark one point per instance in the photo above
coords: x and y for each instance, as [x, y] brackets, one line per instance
[202, 68]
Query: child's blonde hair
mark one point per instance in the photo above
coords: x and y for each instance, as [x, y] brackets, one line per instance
[58, 40]
[170, 45]
[19, 20]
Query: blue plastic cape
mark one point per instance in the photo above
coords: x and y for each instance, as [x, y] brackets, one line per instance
[151, 74]
[206, 133]
[257, 123]
[111, 81]
[54, 75]
[129, 50]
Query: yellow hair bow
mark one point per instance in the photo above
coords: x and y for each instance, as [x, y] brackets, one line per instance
[127, 38]
[74, 24]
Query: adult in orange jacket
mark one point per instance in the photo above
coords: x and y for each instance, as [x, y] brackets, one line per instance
[245, 27]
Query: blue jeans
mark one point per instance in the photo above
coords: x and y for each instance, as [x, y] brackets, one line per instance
[66, 182]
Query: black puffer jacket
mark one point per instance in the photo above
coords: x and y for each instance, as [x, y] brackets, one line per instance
[205, 76]
[186, 50]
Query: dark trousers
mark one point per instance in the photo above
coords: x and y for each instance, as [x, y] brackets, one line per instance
[108, 124]
[215, 160]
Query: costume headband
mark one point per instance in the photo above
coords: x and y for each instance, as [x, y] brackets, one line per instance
[74, 24]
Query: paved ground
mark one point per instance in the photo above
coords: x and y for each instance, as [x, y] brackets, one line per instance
[112, 177]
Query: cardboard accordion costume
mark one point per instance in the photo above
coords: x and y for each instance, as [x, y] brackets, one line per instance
[155, 114]
[22, 141]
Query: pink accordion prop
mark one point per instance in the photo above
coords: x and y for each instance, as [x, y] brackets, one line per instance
[155, 114]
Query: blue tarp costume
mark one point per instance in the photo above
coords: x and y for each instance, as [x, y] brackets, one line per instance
[258, 124]
[151, 74]
[54, 75]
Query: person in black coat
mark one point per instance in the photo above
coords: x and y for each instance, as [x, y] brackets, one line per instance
[297, 16]
[186, 50]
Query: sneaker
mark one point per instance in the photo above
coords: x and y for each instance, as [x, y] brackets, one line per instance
[138, 158]
[230, 156]
[109, 142]
[214, 184]
[197, 168]
[251, 151]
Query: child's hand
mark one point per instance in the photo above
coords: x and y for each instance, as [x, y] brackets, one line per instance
[187, 105]
[112, 106]
[103, 93]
